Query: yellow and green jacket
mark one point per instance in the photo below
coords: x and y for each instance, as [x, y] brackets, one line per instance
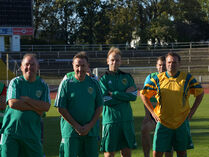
[172, 94]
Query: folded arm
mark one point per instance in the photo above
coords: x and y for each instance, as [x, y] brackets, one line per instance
[26, 103]
[107, 96]
[19, 104]
[37, 104]
[129, 95]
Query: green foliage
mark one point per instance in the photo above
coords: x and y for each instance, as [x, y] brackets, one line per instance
[115, 22]
[191, 20]
[122, 20]
[93, 23]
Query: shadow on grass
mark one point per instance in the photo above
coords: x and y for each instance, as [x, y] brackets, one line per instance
[52, 136]
[200, 123]
[137, 124]
[200, 138]
[200, 131]
[200, 119]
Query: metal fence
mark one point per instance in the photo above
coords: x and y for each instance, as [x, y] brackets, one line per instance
[105, 47]
[56, 60]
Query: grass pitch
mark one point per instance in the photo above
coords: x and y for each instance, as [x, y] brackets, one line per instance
[199, 129]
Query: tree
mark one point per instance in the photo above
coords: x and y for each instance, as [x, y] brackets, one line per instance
[191, 20]
[66, 15]
[45, 22]
[122, 22]
[155, 21]
[87, 12]
[39, 14]
[115, 21]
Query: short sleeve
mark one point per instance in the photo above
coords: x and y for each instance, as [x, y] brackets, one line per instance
[12, 91]
[61, 98]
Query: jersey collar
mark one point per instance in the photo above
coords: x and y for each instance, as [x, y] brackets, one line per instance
[175, 76]
[37, 77]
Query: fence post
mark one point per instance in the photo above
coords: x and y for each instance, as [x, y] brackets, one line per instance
[190, 55]
[200, 79]
[189, 69]
[208, 47]
[100, 47]
[7, 60]
[95, 72]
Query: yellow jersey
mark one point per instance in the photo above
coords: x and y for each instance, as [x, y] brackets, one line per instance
[172, 94]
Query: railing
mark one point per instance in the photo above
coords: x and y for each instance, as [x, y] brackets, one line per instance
[195, 57]
[105, 47]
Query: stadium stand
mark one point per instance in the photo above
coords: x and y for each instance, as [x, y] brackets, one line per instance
[56, 60]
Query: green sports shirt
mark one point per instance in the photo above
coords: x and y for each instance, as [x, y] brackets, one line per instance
[24, 124]
[81, 99]
[117, 107]
[2, 88]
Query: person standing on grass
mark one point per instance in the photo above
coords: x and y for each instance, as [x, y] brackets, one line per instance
[172, 90]
[27, 99]
[148, 123]
[3, 91]
[79, 101]
[118, 90]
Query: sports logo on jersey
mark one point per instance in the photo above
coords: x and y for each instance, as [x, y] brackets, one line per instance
[38, 93]
[124, 81]
[110, 82]
[90, 90]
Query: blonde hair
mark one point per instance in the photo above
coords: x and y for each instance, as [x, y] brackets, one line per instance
[114, 50]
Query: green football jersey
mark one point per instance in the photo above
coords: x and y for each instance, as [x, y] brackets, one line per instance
[117, 107]
[2, 88]
[72, 73]
[24, 124]
[81, 99]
